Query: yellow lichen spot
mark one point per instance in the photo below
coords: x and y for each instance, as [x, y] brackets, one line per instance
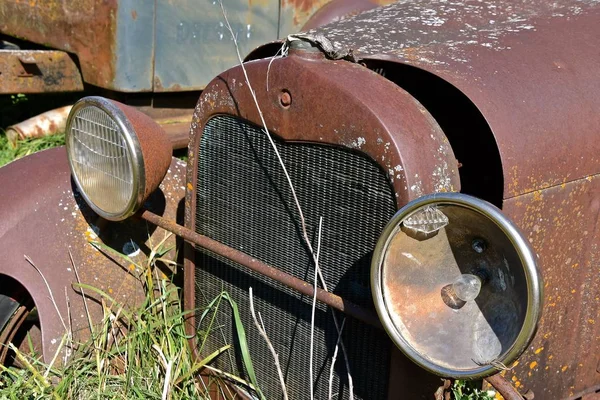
[515, 364]
[580, 364]
[533, 364]
[110, 290]
[575, 265]
[591, 321]
[131, 267]
[538, 351]
[573, 291]
[546, 336]
[529, 373]
[563, 369]
[517, 384]
[514, 378]
[546, 368]
[551, 357]
[190, 187]
[588, 178]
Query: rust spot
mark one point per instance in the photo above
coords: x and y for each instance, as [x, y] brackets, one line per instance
[533, 364]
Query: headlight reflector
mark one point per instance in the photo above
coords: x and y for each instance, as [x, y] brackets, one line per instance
[456, 285]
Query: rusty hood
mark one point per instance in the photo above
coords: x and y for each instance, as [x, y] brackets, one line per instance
[531, 67]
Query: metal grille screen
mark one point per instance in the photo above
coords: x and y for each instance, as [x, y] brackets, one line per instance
[243, 200]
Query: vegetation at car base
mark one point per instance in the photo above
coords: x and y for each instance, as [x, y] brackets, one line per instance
[140, 353]
[467, 390]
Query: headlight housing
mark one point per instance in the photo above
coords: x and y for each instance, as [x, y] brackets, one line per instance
[117, 155]
[456, 286]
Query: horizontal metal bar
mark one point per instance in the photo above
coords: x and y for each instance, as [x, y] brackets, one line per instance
[252, 263]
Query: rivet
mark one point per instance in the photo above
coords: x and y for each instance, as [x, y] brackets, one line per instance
[285, 99]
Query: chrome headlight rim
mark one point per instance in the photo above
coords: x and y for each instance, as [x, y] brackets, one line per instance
[528, 260]
[134, 152]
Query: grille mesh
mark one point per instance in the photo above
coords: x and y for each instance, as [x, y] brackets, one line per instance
[243, 201]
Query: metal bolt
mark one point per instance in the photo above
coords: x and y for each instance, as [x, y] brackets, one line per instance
[285, 98]
[479, 245]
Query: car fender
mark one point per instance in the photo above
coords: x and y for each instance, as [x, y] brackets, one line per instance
[46, 235]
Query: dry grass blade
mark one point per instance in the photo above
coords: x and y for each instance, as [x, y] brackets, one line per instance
[261, 329]
[312, 317]
[49, 291]
[333, 359]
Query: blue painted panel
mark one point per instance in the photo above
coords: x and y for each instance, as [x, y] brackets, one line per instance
[134, 48]
[193, 44]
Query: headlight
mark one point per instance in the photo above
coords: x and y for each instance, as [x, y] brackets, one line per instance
[456, 286]
[117, 154]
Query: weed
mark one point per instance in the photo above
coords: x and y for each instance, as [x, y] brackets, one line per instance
[137, 353]
[467, 390]
[25, 147]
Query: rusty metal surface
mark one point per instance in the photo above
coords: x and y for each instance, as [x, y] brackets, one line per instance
[241, 258]
[113, 40]
[337, 10]
[562, 224]
[38, 71]
[48, 123]
[177, 131]
[45, 219]
[300, 14]
[514, 60]
[504, 387]
[155, 146]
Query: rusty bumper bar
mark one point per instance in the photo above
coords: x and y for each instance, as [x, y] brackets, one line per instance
[38, 71]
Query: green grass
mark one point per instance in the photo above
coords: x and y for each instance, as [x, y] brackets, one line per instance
[16, 108]
[9, 153]
[467, 390]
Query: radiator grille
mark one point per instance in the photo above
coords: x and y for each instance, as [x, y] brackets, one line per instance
[244, 201]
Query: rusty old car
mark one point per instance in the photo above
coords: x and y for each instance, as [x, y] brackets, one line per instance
[428, 169]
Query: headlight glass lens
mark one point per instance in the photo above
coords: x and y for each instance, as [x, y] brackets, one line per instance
[101, 160]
